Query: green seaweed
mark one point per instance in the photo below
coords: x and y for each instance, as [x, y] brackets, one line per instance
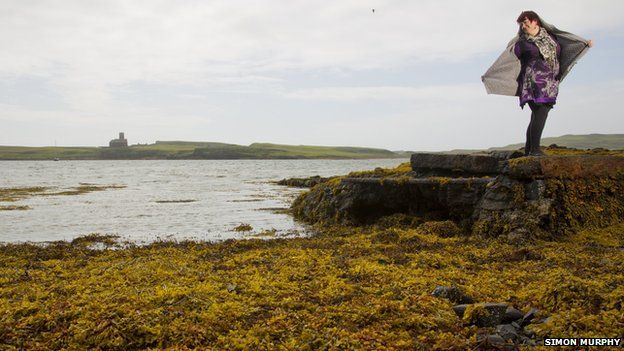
[83, 189]
[345, 288]
[243, 228]
[15, 194]
[14, 208]
[175, 201]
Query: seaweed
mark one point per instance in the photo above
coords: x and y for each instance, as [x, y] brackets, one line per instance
[345, 288]
[175, 201]
[15, 194]
[14, 208]
[243, 227]
[83, 189]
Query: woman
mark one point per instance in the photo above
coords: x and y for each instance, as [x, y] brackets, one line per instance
[535, 62]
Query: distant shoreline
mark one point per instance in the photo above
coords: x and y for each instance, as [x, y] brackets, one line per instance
[186, 150]
[180, 150]
[207, 159]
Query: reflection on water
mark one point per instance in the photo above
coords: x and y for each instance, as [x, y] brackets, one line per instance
[183, 199]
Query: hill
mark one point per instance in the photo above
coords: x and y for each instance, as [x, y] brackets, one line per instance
[586, 141]
[172, 150]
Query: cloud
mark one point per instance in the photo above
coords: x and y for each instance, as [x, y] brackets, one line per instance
[115, 41]
[100, 58]
[462, 116]
[446, 92]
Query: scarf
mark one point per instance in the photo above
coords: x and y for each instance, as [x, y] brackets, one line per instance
[502, 77]
[546, 45]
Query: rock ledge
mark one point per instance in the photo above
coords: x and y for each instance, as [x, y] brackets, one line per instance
[495, 194]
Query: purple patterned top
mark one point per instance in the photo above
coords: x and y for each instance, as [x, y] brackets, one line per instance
[537, 81]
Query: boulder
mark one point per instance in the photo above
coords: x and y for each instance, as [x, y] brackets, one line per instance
[512, 315]
[464, 165]
[508, 332]
[528, 317]
[460, 309]
[481, 314]
[453, 294]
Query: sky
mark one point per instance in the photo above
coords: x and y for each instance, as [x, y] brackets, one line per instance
[406, 76]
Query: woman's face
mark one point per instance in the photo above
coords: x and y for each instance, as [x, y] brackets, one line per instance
[530, 27]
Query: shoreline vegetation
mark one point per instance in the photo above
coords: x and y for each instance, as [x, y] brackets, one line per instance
[8, 195]
[345, 288]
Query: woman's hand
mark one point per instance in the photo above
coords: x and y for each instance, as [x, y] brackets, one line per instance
[590, 43]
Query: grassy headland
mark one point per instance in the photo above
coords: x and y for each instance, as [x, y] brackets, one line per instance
[584, 142]
[588, 141]
[193, 150]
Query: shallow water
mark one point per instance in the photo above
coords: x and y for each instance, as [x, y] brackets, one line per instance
[225, 194]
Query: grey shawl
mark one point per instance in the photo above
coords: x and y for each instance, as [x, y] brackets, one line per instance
[501, 77]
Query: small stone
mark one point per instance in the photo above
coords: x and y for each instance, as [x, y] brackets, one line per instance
[231, 287]
[528, 317]
[496, 339]
[526, 341]
[529, 333]
[543, 320]
[512, 315]
[440, 291]
[507, 332]
[516, 154]
[453, 294]
[492, 339]
[459, 310]
[493, 342]
[485, 315]
[535, 190]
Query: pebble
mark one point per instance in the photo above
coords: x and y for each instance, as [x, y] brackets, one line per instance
[512, 315]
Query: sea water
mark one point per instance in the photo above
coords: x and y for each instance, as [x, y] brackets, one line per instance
[161, 199]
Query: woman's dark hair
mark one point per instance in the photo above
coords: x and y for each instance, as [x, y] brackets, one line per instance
[530, 15]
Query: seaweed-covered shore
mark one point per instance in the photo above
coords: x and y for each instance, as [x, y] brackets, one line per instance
[347, 288]
[365, 288]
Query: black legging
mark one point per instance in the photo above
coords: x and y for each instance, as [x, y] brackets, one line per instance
[539, 113]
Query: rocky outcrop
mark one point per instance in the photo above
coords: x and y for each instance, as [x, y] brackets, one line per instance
[461, 165]
[302, 182]
[364, 200]
[495, 194]
[551, 196]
